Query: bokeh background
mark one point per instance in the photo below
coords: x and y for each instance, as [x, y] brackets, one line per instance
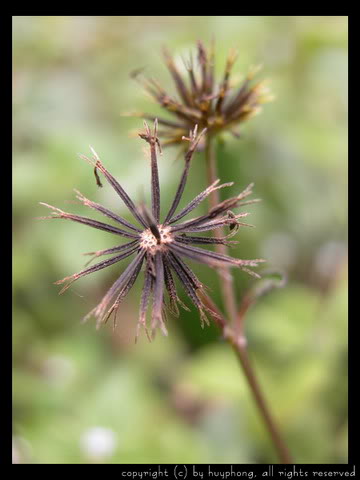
[87, 396]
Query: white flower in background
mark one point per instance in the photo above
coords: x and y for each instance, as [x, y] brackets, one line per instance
[98, 443]
[21, 450]
[16, 458]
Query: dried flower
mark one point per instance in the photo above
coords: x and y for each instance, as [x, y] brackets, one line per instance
[159, 245]
[201, 101]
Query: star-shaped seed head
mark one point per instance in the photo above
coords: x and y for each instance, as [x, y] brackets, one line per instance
[158, 246]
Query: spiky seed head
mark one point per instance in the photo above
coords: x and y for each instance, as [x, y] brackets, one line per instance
[217, 106]
[159, 247]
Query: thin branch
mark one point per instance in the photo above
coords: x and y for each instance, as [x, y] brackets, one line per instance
[238, 344]
[226, 279]
[236, 338]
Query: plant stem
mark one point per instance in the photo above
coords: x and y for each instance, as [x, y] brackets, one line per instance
[236, 338]
[226, 278]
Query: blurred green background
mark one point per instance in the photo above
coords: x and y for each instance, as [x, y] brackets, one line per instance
[82, 396]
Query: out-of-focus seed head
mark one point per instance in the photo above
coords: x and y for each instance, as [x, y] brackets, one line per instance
[216, 106]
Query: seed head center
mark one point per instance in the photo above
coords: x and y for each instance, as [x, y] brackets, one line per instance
[150, 243]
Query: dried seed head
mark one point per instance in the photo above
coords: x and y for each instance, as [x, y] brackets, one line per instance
[214, 106]
[159, 245]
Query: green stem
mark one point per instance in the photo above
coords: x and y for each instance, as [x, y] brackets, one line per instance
[226, 278]
[236, 338]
